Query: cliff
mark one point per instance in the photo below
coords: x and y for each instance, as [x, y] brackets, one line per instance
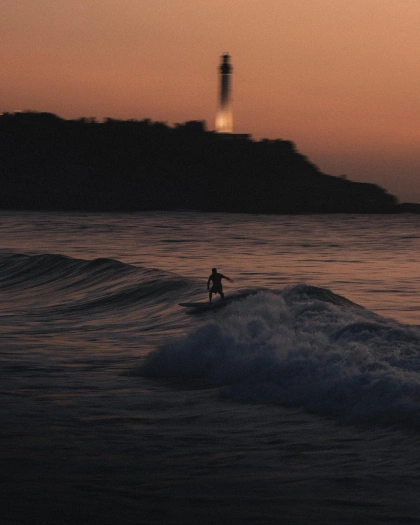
[54, 164]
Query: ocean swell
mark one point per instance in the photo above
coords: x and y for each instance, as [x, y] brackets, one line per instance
[307, 347]
[60, 284]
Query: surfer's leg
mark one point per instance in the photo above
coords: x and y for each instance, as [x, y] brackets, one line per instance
[210, 296]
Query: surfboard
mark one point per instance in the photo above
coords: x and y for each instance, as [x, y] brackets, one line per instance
[203, 306]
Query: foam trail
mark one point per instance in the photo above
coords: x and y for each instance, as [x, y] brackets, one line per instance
[303, 347]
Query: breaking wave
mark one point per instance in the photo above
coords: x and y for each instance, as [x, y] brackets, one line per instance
[302, 347]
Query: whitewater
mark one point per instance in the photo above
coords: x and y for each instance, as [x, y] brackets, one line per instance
[298, 402]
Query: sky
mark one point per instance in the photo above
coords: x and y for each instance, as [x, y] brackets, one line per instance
[340, 78]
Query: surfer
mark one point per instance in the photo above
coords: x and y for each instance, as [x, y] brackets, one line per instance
[216, 279]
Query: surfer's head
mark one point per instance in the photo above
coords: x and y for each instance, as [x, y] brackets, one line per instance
[214, 270]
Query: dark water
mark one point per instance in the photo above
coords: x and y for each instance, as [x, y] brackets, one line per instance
[299, 402]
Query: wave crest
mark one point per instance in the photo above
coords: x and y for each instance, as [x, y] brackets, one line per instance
[65, 284]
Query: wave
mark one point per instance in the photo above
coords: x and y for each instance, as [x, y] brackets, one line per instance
[66, 284]
[302, 347]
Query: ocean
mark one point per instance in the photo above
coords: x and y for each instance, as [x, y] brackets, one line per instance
[298, 402]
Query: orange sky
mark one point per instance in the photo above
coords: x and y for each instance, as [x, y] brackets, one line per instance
[340, 78]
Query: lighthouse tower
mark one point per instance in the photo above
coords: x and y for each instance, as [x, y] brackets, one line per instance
[224, 122]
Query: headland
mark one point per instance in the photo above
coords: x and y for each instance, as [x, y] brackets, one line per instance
[49, 163]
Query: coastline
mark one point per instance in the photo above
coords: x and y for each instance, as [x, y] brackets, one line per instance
[52, 164]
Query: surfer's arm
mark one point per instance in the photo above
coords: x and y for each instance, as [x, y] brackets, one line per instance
[208, 283]
[227, 278]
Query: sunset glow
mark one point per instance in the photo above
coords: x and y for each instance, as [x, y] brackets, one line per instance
[340, 78]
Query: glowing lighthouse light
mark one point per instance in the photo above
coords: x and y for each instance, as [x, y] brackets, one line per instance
[224, 122]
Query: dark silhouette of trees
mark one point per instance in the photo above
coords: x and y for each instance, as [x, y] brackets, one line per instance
[54, 164]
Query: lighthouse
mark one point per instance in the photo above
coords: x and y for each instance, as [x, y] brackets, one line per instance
[224, 122]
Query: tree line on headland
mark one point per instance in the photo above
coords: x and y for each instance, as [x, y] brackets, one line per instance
[49, 163]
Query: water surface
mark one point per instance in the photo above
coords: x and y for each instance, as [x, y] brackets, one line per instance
[290, 405]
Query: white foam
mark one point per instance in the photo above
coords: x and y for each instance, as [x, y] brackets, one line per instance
[300, 349]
